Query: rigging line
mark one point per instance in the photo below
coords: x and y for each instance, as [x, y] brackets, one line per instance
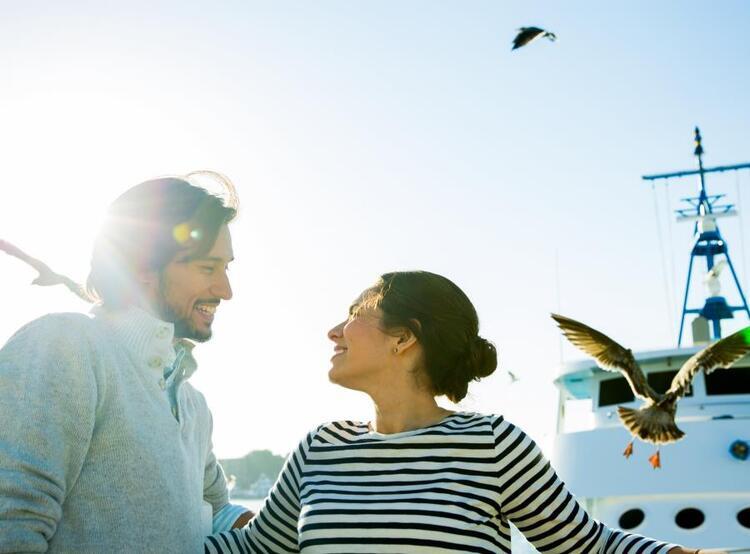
[670, 246]
[742, 228]
[557, 290]
[667, 298]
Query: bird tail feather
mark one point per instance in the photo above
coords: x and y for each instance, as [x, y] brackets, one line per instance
[651, 423]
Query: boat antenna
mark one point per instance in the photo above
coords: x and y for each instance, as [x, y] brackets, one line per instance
[742, 227]
[703, 210]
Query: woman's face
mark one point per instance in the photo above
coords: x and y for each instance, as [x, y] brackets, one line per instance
[361, 352]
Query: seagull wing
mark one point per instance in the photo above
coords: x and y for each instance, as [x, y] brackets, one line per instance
[720, 355]
[526, 35]
[46, 277]
[608, 354]
[12, 250]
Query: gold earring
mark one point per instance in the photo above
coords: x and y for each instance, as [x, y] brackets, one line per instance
[395, 350]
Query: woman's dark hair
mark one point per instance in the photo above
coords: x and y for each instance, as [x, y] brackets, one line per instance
[147, 226]
[443, 320]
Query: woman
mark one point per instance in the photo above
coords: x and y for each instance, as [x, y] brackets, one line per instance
[419, 478]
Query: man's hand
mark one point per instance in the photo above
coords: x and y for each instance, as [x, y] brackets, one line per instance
[243, 520]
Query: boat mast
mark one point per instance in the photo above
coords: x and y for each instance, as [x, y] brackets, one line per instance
[709, 242]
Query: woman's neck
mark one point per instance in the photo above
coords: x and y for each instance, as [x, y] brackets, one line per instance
[396, 415]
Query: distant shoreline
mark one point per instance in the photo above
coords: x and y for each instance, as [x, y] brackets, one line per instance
[253, 504]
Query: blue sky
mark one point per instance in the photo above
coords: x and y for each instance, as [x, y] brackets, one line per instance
[370, 136]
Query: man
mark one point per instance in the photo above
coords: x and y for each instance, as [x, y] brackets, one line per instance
[104, 445]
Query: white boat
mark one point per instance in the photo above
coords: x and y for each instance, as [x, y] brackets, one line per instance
[700, 497]
[701, 494]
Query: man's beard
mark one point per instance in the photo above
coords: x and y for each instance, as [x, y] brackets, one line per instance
[183, 327]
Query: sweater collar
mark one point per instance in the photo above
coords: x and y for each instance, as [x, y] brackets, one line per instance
[148, 339]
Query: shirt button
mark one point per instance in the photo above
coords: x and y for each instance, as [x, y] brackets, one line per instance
[162, 383]
[156, 362]
[162, 333]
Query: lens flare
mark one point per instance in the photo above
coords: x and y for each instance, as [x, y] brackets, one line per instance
[181, 233]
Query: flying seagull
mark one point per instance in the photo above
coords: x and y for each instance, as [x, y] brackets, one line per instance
[527, 34]
[46, 277]
[654, 421]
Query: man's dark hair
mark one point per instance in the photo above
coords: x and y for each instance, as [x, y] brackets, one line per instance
[147, 226]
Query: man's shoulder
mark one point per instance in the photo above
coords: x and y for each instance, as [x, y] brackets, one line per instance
[64, 328]
[53, 348]
[67, 323]
[65, 318]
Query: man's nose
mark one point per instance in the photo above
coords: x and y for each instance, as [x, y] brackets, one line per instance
[222, 288]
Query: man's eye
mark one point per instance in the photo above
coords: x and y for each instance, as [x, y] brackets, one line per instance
[207, 269]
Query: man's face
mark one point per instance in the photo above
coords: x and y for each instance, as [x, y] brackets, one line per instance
[191, 288]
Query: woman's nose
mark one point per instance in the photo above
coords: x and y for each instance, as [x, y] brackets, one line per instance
[337, 331]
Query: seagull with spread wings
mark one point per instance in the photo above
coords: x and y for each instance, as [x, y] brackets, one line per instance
[527, 34]
[654, 421]
[46, 277]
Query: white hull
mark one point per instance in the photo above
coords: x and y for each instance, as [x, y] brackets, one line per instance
[698, 473]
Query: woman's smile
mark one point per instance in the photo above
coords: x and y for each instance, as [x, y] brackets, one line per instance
[337, 350]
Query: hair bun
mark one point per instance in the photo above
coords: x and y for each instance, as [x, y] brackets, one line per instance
[480, 358]
[445, 323]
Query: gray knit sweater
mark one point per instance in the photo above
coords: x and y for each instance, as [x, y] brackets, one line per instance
[91, 457]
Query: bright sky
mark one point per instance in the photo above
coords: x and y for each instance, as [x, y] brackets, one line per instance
[370, 136]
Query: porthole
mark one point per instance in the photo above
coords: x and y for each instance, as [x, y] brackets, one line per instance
[689, 518]
[743, 516]
[631, 519]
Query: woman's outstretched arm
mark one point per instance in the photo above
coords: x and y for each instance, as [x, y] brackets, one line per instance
[536, 501]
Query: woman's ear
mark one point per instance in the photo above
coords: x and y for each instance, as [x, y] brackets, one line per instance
[405, 339]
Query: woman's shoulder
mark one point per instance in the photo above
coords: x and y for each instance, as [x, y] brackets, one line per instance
[467, 416]
[476, 419]
[344, 430]
[502, 428]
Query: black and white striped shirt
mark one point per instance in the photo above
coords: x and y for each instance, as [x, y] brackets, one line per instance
[450, 487]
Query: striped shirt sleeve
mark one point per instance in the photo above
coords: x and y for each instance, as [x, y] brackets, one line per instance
[537, 502]
[274, 529]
